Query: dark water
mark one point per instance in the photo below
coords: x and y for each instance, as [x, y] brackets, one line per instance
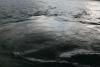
[55, 26]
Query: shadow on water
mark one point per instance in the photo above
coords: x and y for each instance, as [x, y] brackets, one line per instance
[83, 58]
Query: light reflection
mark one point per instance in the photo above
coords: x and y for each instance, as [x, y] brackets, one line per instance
[94, 9]
[49, 23]
[45, 23]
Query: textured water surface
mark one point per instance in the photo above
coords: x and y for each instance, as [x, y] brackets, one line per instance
[58, 28]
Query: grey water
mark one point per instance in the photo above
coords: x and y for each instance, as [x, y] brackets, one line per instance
[18, 10]
[48, 25]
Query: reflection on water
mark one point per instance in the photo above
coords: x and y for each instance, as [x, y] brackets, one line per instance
[17, 9]
[87, 10]
[54, 24]
[62, 19]
[21, 9]
[93, 8]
